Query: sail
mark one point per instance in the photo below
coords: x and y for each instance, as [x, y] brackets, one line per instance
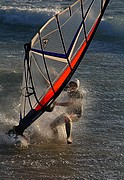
[53, 55]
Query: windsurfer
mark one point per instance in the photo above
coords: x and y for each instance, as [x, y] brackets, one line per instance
[74, 109]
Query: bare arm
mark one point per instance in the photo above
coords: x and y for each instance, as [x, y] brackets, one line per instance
[63, 103]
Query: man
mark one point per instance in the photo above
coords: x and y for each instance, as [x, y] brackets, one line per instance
[73, 109]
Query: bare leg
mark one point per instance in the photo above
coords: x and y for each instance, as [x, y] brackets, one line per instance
[68, 127]
[58, 121]
[62, 119]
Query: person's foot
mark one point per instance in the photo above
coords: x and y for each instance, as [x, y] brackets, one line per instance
[69, 141]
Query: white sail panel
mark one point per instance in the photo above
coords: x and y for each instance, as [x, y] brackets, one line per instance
[36, 83]
[71, 25]
[92, 15]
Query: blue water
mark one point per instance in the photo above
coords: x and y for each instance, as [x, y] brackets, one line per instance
[98, 148]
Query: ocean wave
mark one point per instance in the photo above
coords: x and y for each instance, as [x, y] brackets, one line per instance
[22, 16]
[111, 27]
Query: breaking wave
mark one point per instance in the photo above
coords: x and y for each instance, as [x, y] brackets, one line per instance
[111, 28]
[23, 16]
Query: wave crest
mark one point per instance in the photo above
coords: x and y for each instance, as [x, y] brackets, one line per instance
[23, 16]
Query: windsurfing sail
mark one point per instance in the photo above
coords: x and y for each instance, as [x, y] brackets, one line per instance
[53, 55]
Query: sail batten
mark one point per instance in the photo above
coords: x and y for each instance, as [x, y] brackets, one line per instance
[54, 54]
[49, 53]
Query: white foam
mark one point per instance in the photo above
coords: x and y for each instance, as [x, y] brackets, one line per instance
[18, 141]
[26, 15]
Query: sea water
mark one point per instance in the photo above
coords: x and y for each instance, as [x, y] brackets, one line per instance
[97, 151]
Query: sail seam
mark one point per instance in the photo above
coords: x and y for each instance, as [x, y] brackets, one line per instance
[62, 40]
[46, 65]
